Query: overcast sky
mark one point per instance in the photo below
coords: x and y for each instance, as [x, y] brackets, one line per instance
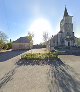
[17, 16]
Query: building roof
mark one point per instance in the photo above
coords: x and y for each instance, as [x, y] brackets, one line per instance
[65, 12]
[22, 40]
[60, 32]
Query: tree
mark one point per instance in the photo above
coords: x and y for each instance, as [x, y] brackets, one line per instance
[1, 44]
[78, 41]
[10, 41]
[45, 37]
[9, 46]
[3, 39]
[3, 36]
[30, 37]
[5, 47]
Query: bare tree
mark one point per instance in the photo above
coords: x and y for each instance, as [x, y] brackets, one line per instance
[45, 37]
[3, 36]
[3, 39]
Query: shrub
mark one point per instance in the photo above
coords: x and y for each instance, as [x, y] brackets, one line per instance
[40, 56]
[9, 46]
[5, 46]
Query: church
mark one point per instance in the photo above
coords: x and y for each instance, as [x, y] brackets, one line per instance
[65, 36]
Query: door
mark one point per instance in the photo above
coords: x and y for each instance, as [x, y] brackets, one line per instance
[68, 43]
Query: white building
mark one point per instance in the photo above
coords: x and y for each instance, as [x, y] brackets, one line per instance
[65, 36]
[23, 43]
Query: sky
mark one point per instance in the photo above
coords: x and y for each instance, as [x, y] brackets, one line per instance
[18, 17]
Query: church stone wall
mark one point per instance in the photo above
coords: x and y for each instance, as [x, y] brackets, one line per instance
[68, 19]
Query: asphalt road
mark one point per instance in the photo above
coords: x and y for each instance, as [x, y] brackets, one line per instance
[61, 76]
[4, 56]
[15, 78]
[8, 60]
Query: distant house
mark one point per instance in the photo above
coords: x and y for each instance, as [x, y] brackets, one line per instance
[21, 44]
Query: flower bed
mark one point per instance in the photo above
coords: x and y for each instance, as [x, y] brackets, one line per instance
[40, 56]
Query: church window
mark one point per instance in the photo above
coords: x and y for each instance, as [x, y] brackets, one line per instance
[67, 33]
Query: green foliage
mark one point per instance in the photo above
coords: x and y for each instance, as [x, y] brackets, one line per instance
[5, 46]
[30, 37]
[40, 56]
[9, 46]
[78, 41]
[1, 44]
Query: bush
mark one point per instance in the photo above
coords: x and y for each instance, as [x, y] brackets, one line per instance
[1, 44]
[40, 56]
[5, 46]
[9, 46]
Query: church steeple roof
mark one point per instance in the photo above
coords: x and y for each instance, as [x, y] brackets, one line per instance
[65, 12]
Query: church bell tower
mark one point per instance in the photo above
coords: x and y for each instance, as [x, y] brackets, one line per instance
[66, 26]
